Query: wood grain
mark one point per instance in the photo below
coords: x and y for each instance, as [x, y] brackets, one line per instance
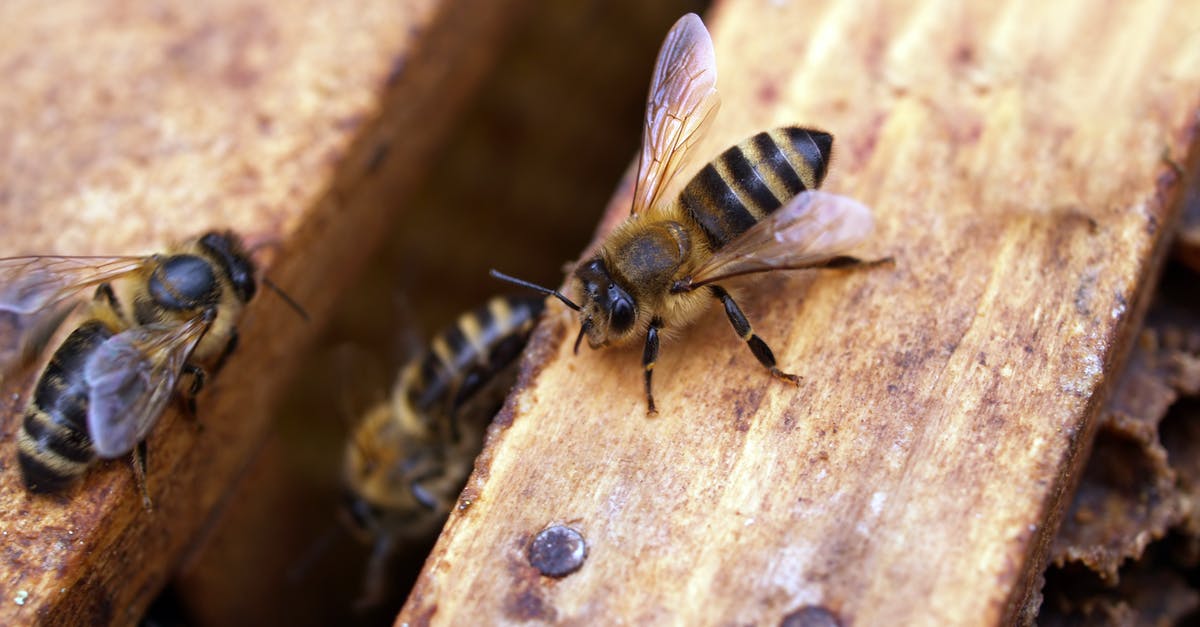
[1014, 156]
[126, 126]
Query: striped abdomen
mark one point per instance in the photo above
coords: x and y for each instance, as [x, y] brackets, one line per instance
[753, 179]
[54, 447]
[467, 357]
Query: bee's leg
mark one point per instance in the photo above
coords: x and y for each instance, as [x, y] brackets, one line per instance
[230, 346]
[844, 261]
[742, 326]
[188, 397]
[138, 459]
[375, 579]
[421, 493]
[649, 357]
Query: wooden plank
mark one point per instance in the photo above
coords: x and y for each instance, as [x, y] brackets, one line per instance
[127, 126]
[1014, 157]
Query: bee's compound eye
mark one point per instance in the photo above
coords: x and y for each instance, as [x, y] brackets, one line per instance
[622, 314]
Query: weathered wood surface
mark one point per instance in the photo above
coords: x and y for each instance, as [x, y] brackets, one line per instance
[1014, 156]
[126, 126]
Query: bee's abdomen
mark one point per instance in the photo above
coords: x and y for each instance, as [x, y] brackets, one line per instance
[754, 178]
[54, 447]
[468, 356]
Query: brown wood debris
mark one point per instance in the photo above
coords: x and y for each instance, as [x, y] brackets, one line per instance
[1127, 552]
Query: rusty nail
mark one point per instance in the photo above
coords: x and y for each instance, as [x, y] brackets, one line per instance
[810, 616]
[557, 551]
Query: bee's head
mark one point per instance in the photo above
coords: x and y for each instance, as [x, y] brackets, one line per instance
[608, 312]
[226, 249]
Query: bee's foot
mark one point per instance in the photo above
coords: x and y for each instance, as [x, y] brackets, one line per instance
[790, 378]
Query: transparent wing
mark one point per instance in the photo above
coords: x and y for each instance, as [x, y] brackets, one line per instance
[811, 229]
[30, 284]
[132, 376]
[683, 97]
[23, 338]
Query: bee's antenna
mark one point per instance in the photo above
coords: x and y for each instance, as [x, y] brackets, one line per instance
[277, 244]
[533, 286]
[287, 299]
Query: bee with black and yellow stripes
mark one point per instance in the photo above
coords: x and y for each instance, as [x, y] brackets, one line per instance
[152, 320]
[410, 455]
[755, 208]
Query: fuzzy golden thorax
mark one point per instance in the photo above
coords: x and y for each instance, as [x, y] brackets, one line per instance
[213, 272]
[627, 284]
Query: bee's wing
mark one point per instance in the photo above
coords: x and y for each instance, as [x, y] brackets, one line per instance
[23, 338]
[683, 97]
[810, 230]
[30, 284]
[132, 376]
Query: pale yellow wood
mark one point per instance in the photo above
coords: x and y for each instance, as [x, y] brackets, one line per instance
[127, 125]
[1014, 156]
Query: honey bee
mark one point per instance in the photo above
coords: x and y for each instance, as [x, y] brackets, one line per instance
[410, 455]
[753, 209]
[152, 319]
